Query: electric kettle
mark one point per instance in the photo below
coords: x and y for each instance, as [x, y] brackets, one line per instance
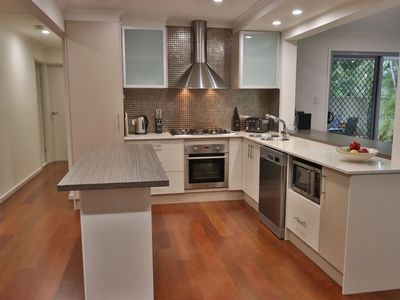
[141, 123]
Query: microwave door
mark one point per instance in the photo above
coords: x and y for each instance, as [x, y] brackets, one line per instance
[301, 179]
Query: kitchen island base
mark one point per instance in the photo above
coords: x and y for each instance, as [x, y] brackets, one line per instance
[117, 243]
[114, 182]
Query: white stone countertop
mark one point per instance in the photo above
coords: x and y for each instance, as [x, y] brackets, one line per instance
[323, 154]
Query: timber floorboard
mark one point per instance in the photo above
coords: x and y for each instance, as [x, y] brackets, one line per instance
[214, 250]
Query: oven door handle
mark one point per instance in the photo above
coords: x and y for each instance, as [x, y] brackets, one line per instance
[206, 157]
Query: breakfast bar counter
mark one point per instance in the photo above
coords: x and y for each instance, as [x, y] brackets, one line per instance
[114, 184]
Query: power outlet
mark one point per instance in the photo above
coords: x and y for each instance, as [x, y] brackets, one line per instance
[317, 100]
[133, 122]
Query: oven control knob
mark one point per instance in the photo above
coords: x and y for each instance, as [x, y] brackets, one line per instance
[195, 148]
[218, 147]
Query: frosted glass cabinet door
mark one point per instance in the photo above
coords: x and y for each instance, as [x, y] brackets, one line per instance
[144, 58]
[259, 59]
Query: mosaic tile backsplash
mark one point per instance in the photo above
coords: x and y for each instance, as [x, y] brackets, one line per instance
[198, 108]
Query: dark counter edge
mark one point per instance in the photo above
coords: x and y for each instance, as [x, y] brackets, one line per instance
[309, 135]
[106, 186]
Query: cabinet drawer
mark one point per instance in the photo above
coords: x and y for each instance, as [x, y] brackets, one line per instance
[302, 218]
[161, 144]
[169, 152]
[171, 160]
[176, 184]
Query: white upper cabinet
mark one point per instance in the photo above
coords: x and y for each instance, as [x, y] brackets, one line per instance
[255, 61]
[145, 57]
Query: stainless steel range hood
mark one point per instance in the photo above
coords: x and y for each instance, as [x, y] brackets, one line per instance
[200, 75]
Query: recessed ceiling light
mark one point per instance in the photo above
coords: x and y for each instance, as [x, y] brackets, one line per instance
[276, 23]
[218, 1]
[297, 12]
[248, 37]
[45, 31]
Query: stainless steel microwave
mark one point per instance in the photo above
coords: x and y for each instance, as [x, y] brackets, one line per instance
[306, 179]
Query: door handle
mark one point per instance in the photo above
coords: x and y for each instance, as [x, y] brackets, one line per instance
[298, 219]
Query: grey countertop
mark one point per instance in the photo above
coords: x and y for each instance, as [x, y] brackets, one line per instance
[334, 139]
[115, 167]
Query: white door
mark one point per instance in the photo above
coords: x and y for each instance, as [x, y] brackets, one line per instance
[57, 100]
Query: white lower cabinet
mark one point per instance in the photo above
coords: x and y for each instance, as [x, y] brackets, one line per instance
[235, 164]
[333, 224]
[303, 218]
[176, 184]
[322, 227]
[171, 155]
[251, 169]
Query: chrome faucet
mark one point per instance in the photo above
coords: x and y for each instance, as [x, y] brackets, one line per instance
[276, 120]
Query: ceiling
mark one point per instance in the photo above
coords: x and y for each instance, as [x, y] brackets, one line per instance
[24, 24]
[164, 10]
[13, 6]
[283, 12]
[225, 14]
[386, 22]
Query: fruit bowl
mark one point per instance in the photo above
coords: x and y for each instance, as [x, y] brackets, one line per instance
[357, 157]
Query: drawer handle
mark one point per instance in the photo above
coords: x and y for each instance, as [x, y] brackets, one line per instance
[298, 219]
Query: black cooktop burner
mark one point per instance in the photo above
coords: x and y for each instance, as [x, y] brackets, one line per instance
[199, 131]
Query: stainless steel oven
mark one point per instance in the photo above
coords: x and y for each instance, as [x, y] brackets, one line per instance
[306, 179]
[206, 164]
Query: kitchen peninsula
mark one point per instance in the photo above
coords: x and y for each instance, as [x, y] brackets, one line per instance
[114, 184]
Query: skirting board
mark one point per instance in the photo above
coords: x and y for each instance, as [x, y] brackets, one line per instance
[197, 197]
[20, 184]
[206, 196]
[315, 257]
[250, 201]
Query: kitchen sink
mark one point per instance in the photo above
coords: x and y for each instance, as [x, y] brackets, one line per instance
[275, 138]
[269, 137]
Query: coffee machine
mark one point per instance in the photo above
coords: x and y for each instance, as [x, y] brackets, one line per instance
[158, 121]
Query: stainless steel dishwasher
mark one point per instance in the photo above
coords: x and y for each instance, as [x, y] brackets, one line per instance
[272, 198]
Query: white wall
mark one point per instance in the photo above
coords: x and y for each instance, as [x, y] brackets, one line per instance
[287, 81]
[19, 120]
[313, 65]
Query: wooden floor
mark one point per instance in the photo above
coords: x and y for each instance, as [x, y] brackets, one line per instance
[215, 250]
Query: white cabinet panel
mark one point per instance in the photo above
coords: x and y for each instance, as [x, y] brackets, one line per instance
[251, 169]
[171, 159]
[145, 62]
[176, 184]
[303, 218]
[334, 203]
[235, 164]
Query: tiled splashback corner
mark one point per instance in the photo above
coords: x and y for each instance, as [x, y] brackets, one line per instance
[198, 108]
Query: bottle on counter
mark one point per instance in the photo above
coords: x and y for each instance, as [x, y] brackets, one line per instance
[235, 120]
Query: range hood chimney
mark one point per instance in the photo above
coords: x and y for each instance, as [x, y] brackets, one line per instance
[200, 75]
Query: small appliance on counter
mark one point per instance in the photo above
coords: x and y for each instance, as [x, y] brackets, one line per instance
[235, 120]
[141, 123]
[126, 127]
[302, 120]
[158, 121]
[255, 125]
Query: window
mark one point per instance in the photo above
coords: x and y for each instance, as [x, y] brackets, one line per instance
[362, 94]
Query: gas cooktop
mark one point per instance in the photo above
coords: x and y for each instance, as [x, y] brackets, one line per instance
[200, 131]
